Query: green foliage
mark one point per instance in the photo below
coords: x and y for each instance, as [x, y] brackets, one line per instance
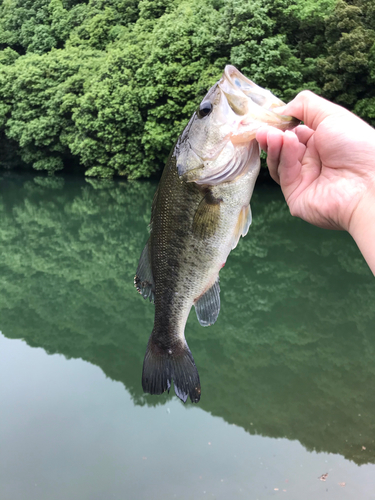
[349, 67]
[47, 89]
[109, 85]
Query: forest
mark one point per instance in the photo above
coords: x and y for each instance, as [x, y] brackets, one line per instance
[105, 87]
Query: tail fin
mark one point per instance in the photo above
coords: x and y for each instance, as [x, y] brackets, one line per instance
[162, 365]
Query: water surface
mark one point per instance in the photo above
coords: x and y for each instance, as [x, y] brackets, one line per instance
[287, 372]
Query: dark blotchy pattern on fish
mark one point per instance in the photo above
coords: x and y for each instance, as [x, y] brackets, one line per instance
[174, 250]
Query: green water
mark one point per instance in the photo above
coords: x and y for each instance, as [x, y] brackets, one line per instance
[287, 372]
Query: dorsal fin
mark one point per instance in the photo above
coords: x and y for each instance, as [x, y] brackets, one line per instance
[144, 280]
[207, 307]
[242, 226]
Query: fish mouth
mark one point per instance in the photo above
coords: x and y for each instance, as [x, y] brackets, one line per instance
[254, 104]
[220, 146]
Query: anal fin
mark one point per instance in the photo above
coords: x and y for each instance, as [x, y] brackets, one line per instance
[144, 280]
[207, 307]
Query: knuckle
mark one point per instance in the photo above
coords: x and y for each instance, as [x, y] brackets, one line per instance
[293, 210]
[274, 174]
[306, 95]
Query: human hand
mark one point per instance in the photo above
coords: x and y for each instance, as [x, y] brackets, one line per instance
[326, 168]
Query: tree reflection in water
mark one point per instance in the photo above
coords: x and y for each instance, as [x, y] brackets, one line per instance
[292, 353]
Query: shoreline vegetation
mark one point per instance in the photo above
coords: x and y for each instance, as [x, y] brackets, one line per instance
[104, 87]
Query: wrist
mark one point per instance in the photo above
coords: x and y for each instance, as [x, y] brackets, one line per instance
[362, 228]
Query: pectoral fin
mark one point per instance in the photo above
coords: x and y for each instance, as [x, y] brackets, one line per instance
[144, 280]
[207, 217]
[208, 306]
[242, 226]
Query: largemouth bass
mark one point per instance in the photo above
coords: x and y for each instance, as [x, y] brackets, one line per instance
[200, 210]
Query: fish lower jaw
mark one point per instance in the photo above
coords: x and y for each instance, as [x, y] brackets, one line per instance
[243, 137]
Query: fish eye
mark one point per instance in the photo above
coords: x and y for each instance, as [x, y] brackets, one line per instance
[205, 109]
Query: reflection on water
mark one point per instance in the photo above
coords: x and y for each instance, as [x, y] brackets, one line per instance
[293, 351]
[71, 433]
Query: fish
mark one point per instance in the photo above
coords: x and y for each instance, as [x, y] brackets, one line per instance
[200, 210]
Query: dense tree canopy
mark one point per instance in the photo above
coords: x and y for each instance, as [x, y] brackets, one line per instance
[109, 84]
